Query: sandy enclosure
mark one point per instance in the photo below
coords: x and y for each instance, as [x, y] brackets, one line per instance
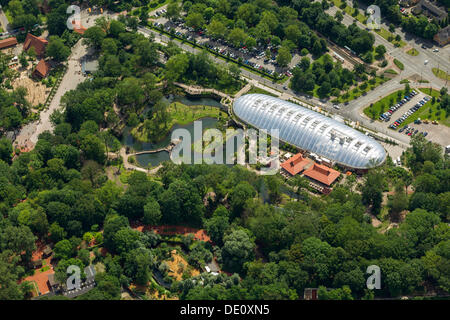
[36, 91]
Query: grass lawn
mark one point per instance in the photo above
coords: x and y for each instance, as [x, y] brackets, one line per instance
[391, 71]
[181, 114]
[424, 113]
[390, 37]
[399, 64]
[353, 94]
[441, 74]
[350, 10]
[382, 105]
[124, 175]
[412, 52]
[155, 4]
[259, 90]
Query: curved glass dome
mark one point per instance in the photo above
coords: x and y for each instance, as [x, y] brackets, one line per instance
[310, 130]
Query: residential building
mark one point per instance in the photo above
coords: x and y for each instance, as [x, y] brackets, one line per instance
[41, 70]
[39, 44]
[431, 10]
[443, 36]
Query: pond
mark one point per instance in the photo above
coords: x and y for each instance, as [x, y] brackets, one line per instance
[155, 159]
[196, 101]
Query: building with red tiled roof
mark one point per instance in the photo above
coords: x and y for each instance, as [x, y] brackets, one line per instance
[295, 164]
[41, 69]
[322, 174]
[7, 43]
[37, 43]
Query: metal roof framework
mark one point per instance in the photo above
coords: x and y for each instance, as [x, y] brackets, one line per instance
[311, 131]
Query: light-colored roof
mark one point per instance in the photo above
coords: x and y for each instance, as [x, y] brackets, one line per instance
[89, 66]
[310, 130]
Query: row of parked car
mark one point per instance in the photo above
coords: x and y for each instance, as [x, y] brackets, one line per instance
[7, 34]
[160, 12]
[408, 113]
[258, 53]
[387, 115]
[410, 131]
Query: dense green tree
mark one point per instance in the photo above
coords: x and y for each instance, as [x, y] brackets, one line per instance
[152, 212]
[6, 150]
[57, 50]
[237, 249]
[372, 191]
[94, 36]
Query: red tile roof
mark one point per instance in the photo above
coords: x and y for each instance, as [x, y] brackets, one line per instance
[42, 69]
[322, 174]
[39, 44]
[6, 43]
[295, 164]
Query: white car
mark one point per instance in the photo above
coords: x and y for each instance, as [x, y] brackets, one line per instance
[436, 50]
[425, 62]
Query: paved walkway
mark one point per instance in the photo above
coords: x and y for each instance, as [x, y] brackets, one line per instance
[199, 90]
[244, 90]
[127, 165]
[29, 134]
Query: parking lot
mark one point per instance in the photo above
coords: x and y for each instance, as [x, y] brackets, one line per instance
[439, 134]
[401, 109]
[255, 58]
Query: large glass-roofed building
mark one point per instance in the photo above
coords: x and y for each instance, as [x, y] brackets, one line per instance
[309, 130]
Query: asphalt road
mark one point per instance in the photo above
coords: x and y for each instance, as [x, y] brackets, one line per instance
[349, 112]
[413, 64]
